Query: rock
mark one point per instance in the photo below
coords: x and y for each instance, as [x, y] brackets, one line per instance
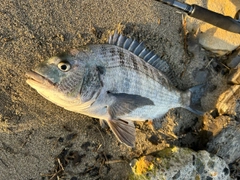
[211, 37]
[227, 102]
[234, 76]
[226, 144]
[201, 75]
[193, 46]
[234, 59]
[179, 163]
[235, 169]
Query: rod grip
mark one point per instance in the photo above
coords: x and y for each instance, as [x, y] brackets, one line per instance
[216, 19]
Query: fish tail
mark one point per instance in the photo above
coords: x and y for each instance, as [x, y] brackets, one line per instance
[193, 99]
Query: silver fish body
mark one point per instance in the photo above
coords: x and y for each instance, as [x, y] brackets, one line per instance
[124, 72]
[115, 82]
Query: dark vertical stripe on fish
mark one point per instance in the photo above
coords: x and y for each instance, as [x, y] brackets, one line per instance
[145, 67]
[152, 74]
[113, 53]
[134, 62]
[103, 51]
[121, 56]
[158, 76]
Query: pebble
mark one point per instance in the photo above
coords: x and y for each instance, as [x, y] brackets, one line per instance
[234, 59]
[227, 102]
[234, 76]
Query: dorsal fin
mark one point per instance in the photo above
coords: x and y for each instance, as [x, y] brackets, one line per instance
[140, 50]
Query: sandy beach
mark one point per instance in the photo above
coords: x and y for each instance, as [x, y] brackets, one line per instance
[39, 140]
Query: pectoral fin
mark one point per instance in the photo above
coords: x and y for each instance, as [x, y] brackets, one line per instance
[122, 104]
[124, 131]
[125, 103]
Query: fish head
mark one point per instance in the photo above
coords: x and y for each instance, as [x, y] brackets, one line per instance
[59, 79]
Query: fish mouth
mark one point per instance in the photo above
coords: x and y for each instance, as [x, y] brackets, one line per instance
[36, 79]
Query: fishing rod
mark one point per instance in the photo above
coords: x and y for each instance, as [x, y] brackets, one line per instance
[211, 17]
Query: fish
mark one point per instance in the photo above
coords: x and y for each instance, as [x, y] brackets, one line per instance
[118, 83]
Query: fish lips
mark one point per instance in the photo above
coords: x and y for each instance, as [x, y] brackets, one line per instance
[37, 80]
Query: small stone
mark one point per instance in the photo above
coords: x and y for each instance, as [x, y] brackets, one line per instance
[180, 163]
[61, 139]
[74, 178]
[227, 101]
[234, 59]
[201, 75]
[154, 139]
[227, 143]
[234, 76]
[193, 45]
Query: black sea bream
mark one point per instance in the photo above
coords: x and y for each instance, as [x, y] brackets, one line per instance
[118, 83]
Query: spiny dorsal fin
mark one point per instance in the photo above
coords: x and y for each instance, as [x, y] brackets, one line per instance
[141, 51]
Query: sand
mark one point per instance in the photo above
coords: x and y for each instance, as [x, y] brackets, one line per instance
[39, 140]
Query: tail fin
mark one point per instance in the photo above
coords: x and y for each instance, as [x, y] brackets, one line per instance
[197, 93]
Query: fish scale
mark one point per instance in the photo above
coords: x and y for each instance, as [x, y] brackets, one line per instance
[118, 83]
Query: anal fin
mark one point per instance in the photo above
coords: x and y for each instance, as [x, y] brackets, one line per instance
[124, 131]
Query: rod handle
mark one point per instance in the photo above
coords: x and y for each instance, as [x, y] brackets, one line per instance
[216, 19]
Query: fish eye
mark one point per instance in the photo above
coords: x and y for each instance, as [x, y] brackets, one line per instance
[64, 66]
